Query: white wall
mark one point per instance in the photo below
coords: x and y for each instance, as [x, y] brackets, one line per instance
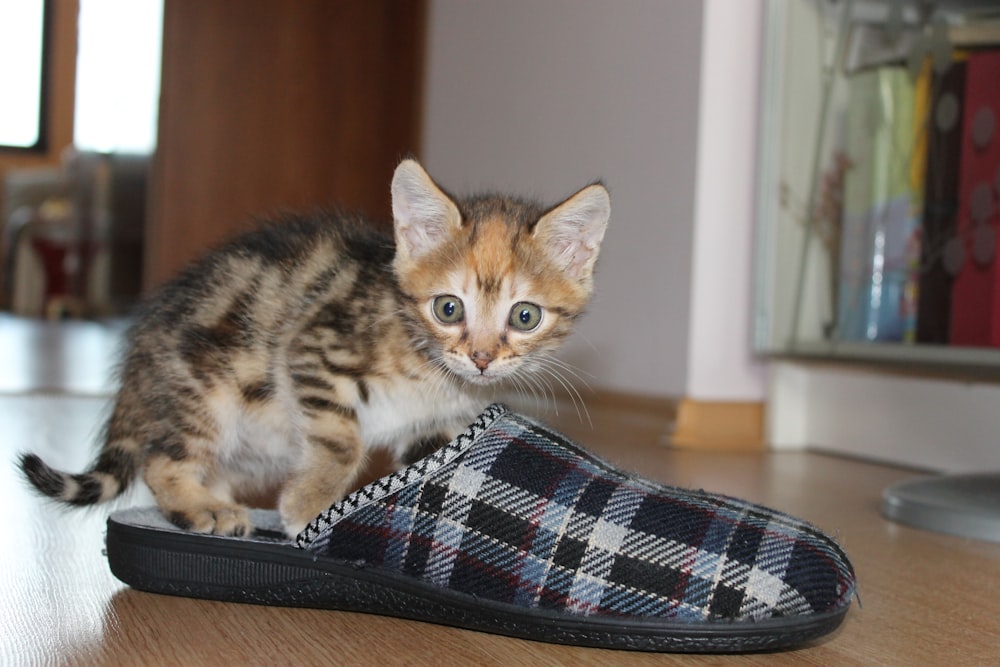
[543, 96]
[721, 363]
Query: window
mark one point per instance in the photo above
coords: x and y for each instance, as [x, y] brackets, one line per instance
[117, 95]
[22, 74]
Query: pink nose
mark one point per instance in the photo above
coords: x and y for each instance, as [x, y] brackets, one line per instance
[481, 359]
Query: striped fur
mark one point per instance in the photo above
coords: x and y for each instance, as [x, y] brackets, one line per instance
[282, 357]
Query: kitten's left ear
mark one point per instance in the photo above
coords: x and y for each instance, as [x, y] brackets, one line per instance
[424, 215]
[572, 232]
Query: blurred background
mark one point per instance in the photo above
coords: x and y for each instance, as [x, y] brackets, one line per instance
[158, 127]
[167, 125]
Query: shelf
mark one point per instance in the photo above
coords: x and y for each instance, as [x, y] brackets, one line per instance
[971, 362]
[805, 157]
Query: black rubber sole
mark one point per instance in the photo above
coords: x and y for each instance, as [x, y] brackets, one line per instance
[267, 570]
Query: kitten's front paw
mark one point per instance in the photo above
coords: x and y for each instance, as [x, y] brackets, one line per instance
[229, 520]
[293, 529]
[301, 503]
[295, 520]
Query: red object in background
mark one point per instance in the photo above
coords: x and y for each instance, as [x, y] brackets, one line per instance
[65, 259]
[57, 263]
[975, 307]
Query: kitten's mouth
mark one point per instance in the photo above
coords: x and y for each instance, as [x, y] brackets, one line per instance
[482, 378]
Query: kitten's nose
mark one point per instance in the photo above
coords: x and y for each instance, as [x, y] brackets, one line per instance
[481, 359]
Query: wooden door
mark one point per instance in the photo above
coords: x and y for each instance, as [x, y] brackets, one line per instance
[278, 104]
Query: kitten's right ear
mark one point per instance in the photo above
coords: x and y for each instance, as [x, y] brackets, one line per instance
[424, 215]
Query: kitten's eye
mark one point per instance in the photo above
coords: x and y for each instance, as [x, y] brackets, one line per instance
[449, 309]
[525, 316]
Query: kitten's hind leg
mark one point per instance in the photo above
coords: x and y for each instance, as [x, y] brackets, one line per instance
[332, 458]
[181, 492]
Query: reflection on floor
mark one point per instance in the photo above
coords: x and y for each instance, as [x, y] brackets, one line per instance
[67, 357]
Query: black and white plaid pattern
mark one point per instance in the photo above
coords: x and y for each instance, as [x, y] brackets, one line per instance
[513, 512]
[412, 474]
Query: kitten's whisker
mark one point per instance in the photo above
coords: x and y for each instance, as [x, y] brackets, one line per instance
[557, 366]
[537, 389]
[575, 371]
[586, 340]
[388, 316]
[574, 394]
[438, 376]
[546, 389]
[441, 376]
[523, 390]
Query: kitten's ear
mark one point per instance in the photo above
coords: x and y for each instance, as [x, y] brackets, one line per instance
[572, 232]
[424, 215]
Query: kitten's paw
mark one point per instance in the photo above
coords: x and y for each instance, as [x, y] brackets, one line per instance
[232, 521]
[292, 529]
[297, 509]
[295, 523]
[229, 520]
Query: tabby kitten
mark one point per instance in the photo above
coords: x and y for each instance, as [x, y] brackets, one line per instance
[285, 355]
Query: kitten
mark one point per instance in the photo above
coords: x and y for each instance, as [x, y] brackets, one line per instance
[285, 355]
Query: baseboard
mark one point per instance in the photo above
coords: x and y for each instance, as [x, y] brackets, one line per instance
[660, 407]
[719, 425]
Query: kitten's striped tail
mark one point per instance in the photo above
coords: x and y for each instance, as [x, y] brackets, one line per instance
[109, 477]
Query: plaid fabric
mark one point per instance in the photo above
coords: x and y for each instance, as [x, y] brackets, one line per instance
[513, 512]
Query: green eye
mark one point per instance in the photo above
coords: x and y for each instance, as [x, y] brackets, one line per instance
[448, 309]
[525, 316]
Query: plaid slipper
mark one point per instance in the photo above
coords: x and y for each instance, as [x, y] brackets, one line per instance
[512, 529]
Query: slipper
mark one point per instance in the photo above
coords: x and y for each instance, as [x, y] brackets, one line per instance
[514, 530]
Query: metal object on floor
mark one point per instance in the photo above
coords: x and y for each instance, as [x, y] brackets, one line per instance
[963, 505]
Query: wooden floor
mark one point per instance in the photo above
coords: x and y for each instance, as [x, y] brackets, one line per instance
[926, 599]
